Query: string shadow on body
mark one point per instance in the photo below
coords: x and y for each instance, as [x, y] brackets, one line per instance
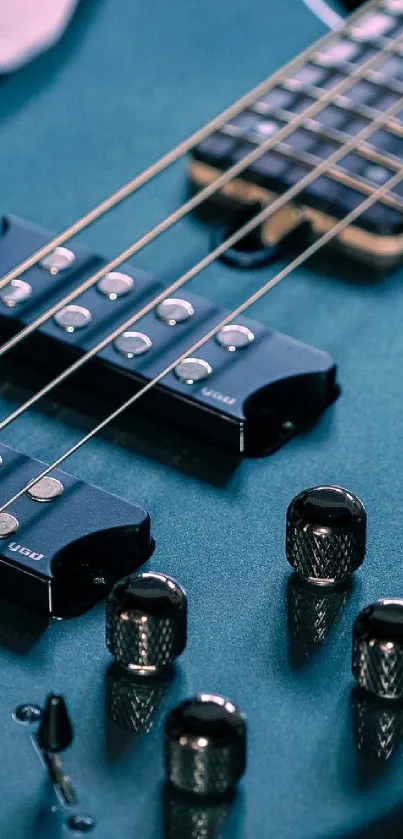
[20, 629]
[165, 445]
[81, 408]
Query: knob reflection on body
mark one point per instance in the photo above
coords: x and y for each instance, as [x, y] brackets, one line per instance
[191, 817]
[378, 725]
[312, 610]
[377, 660]
[146, 622]
[132, 702]
[205, 746]
[325, 534]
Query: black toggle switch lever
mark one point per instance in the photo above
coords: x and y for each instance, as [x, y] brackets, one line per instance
[55, 735]
[55, 732]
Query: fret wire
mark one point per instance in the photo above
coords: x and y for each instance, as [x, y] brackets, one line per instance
[249, 227]
[340, 176]
[383, 82]
[365, 111]
[343, 176]
[395, 128]
[374, 76]
[366, 151]
[374, 156]
[202, 264]
[173, 155]
[200, 197]
[339, 136]
[381, 43]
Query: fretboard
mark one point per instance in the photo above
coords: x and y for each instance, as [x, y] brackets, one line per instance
[376, 31]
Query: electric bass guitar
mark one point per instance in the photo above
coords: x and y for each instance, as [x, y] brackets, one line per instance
[200, 414]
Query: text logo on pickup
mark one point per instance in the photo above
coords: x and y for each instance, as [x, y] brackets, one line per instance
[215, 394]
[13, 546]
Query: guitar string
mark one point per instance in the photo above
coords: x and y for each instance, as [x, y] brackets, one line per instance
[322, 11]
[172, 156]
[209, 191]
[200, 266]
[257, 295]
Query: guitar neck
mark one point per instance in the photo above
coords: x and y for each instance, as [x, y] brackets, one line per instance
[345, 87]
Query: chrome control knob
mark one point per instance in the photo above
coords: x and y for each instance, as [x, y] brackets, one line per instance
[205, 745]
[146, 622]
[377, 661]
[326, 534]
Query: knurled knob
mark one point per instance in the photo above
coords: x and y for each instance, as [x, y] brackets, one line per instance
[146, 622]
[205, 745]
[377, 661]
[325, 534]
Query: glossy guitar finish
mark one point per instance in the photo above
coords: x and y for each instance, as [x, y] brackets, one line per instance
[128, 81]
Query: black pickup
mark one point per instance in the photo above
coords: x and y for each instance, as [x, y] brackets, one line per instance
[64, 543]
[251, 399]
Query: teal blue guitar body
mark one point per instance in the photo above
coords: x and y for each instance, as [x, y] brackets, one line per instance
[126, 83]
